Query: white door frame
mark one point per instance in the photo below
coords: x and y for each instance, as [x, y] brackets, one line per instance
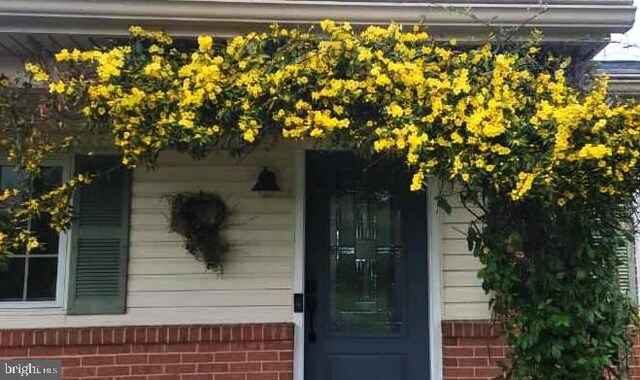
[435, 284]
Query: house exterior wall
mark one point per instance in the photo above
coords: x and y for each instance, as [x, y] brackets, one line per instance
[169, 291]
[463, 297]
[166, 285]
[256, 284]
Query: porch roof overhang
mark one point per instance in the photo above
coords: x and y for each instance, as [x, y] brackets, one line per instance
[561, 20]
[624, 77]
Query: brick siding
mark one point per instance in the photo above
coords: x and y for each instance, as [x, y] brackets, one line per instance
[473, 349]
[194, 352]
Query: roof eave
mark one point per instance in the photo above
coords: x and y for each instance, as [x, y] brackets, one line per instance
[567, 21]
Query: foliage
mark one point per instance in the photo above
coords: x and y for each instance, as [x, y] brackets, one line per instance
[201, 218]
[552, 166]
[551, 271]
[30, 131]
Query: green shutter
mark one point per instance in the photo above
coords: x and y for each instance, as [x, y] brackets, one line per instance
[97, 282]
[626, 274]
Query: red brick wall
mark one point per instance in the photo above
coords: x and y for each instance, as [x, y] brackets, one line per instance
[471, 350]
[634, 365]
[194, 352]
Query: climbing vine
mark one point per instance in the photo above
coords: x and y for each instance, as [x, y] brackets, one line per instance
[30, 130]
[551, 168]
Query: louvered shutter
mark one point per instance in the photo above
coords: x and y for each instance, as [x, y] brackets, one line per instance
[97, 282]
[626, 275]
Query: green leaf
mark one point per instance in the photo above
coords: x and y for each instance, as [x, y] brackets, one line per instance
[556, 350]
[443, 204]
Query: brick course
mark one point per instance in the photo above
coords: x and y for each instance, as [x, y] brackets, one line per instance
[193, 352]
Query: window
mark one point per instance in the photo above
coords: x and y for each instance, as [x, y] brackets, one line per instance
[36, 278]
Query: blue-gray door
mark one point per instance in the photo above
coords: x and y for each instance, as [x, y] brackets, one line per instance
[366, 271]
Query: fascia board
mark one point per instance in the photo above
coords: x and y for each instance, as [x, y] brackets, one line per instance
[567, 20]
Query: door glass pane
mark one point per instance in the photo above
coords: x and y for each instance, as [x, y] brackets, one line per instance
[366, 261]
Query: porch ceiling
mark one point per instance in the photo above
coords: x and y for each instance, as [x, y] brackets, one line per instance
[57, 23]
[36, 44]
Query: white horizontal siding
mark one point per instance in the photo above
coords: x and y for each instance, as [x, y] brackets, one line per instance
[166, 285]
[463, 296]
[163, 249]
[257, 277]
[254, 266]
[139, 316]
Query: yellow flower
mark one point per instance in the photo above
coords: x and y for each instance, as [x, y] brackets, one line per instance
[327, 25]
[249, 136]
[205, 43]
[36, 71]
[364, 54]
[58, 87]
[136, 31]
[32, 243]
[590, 151]
[63, 55]
[493, 130]
[417, 181]
[456, 138]
[461, 82]
[524, 184]
[383, 80]
[394, 110]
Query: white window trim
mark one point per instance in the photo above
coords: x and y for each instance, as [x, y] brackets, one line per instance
[64, 247]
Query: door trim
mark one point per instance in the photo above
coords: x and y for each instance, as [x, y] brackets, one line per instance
[299, 260]
[433, 259]
[434, 266]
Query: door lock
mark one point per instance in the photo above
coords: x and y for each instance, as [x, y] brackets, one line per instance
[298, 302]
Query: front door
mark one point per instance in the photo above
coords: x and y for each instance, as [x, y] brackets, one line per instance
[366, 271]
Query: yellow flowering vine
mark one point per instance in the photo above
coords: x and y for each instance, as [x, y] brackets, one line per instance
[548, 160]
[478, 115]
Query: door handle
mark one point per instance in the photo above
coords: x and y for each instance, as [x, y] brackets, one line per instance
[310, 305]
[298, 302]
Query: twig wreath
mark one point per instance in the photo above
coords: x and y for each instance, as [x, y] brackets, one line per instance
[201, 218]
